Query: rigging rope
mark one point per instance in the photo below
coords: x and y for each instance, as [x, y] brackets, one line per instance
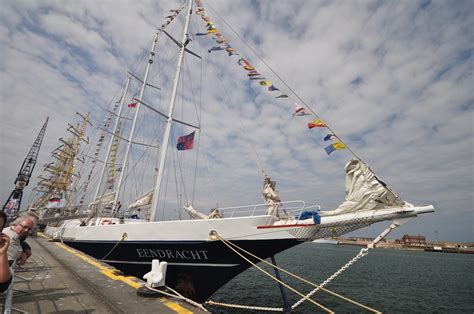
[294, 93]
[199, 118]
[257, 156]
[278, 76]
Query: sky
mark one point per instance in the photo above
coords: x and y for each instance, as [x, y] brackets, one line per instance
[393, 79]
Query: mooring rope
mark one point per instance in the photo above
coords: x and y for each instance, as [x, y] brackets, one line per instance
[178, 296]
[231, 245]
[124, 237]
[273, 277]
[245, 307]
[362, 253]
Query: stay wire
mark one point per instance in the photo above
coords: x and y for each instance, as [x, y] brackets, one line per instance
[197, 105]
[294, 92]
[280, 78]
[257, 156]
[211, 187]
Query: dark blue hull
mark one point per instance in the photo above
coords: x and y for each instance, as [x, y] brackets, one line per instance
[195, 269]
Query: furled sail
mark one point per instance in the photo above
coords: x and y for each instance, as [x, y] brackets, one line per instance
[364, 191]
[141, 201]
[113, 158]
[214, 213]
[106, 199]
[272, 199]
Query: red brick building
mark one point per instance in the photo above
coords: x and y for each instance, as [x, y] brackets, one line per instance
[409, 240]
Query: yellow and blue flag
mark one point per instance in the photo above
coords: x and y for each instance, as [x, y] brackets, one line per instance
[335, 146]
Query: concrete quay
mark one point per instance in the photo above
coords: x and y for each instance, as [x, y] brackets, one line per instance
[59, 279]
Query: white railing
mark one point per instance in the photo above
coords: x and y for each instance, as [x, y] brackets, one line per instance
[297, 212]
[290, 209]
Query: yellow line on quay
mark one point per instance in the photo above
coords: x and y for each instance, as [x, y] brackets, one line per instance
[109, 272]
[176, 307]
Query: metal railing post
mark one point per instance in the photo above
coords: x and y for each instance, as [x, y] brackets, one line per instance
[9, 299]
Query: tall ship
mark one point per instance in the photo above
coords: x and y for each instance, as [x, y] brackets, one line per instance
[153, 196]
[56, 188]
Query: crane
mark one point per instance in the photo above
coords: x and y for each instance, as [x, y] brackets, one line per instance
[13, 203]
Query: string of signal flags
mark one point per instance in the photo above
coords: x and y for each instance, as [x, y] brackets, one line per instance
[185, 142]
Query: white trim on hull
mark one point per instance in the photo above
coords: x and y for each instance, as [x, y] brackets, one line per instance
[171, 264]
[238, 228]
[183, 230]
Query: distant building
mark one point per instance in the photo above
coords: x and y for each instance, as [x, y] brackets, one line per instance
[416, 241]
[361, 239]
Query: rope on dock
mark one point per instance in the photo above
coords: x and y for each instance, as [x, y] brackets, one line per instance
[178, 296]
[245, 307]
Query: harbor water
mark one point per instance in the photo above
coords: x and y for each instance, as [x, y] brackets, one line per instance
[391, 281]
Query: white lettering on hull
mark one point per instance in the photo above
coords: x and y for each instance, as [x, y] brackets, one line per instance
[173, 254]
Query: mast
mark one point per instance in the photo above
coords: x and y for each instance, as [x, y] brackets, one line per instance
[59, 184]
[79, 134]
[169, 119]
[13, 203]
[119, 114]
[132, 131]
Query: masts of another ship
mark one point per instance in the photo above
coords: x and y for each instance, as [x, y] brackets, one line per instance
[116, 126]
[59, 184]
[137, 110]
[13, 203]
[79, 134]
[164, 146]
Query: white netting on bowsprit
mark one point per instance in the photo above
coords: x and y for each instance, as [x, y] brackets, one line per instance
[314, 232]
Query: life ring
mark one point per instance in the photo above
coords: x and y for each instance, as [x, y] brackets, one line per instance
[106, 222]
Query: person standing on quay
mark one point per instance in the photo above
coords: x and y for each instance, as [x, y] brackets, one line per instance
[18, 230]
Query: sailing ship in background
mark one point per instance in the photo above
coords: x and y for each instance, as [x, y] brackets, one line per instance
[56, 189]
[140, 187]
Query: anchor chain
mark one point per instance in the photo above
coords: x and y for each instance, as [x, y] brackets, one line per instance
[363, 252]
